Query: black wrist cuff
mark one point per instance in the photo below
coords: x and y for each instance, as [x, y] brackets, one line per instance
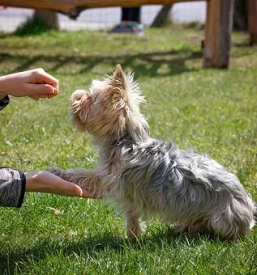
[4, 102]
[23, 188]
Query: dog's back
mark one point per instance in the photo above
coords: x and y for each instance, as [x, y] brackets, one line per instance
[195, 192]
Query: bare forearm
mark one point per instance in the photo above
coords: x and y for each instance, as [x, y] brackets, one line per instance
[46, 182]
[35, 84]
[3, 87]
[86, 179]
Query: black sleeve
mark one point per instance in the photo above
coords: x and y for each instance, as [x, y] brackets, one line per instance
[4, 102]
[12, 187]
[12, 181]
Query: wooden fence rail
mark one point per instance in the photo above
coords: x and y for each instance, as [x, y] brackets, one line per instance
[72, 8]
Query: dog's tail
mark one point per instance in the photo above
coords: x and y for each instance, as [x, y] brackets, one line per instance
[254, 204]
[255, 210]
[254, 207]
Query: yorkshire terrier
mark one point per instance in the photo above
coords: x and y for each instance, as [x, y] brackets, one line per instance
[149, 178]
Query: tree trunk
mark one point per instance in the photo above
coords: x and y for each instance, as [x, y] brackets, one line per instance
[163, 17]
[48, 17]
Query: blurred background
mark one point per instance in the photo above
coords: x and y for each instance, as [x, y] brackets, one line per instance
[105, 18]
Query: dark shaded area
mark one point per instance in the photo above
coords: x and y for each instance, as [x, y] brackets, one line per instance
[92, 245]
[240, 15]
[145, 64]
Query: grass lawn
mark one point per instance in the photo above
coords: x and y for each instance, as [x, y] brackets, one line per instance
[212, 111]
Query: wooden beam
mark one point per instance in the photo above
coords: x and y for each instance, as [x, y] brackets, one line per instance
[72, 8]
[252, 21]
[217, 33]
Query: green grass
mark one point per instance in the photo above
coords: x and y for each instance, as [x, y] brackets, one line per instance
[212, 111]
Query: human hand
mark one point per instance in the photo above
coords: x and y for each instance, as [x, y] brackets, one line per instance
[35, 84]
[46, 182]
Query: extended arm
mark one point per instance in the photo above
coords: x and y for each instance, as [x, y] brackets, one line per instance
[90, 180]
[35, 84]
[14, 183]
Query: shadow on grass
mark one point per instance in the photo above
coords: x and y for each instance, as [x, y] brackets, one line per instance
[245, 44]
[4, 35]
[144, 64]
[89, 247]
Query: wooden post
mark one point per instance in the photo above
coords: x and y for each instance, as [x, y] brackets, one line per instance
[252, 21]
[217, 33]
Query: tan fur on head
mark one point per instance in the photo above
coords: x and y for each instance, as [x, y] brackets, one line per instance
[110, 107]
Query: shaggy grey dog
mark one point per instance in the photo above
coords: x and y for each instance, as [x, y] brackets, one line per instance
[149, 178]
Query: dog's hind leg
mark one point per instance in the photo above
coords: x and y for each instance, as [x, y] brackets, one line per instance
[197, 226]
[234, 222]
[133, 225]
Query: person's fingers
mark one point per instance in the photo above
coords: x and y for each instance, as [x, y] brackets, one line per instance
[71, 189]
[41, 77]
[46, 182]
[47, 78]
[40, 90]
[56, 92]
[50, 96]
[77, 190]
[68, 188]
[35, 97]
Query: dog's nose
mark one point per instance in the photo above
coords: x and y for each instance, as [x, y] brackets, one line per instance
[78, 94]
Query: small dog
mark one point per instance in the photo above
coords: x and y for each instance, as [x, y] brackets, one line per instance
[149, 178]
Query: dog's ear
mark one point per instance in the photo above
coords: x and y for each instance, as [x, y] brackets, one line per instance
[118, 72]
[119, 87]
[119, 78]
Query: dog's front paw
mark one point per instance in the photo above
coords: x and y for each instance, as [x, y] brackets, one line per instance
[56, 171]
[133, 227]
[131, 235]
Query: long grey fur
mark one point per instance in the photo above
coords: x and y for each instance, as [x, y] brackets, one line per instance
[150, 178]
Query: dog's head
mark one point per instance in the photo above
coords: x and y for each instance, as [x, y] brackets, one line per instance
[110, 108]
